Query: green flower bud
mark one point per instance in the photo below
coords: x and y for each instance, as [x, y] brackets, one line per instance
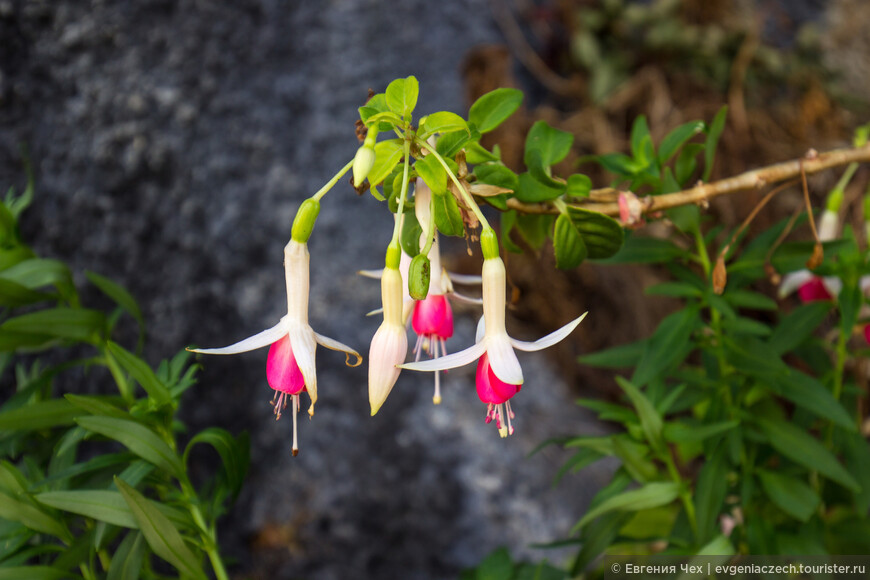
[303, 224]
[418, 277]
[363, 162]
[489, 244]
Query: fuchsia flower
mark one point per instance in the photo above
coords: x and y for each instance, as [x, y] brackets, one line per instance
[290, 366]
[809, 286]
[390, 343]
[499, 375]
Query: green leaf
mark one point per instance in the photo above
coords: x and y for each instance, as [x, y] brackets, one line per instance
[531, 190]
[13, 294]
[690, 432]
[806, 450]
[161, 535]
[41, 415]
[797, 326]
[687, 163]
[741, 298]
[141, 373]
[617, 357]
[496, 566]
[448, 218]
[450, 144]
[80, 324]
[546, 145]
[376, 104]
[410, 235]
[579, 185]
[402, 95]
[849, 301]
[497, 175]
[677, 138]
[118, 294]
[790, 494]
[443, 122]
[139, 439]
[667, 346]
[618, 163]
[710, 492]
[534, 228]
[476, 153]
[713, 134]
[601, 234]
[642, 148]
[34, 573]
[643, 250]
[493, 108]
[15, 509]
[810, 394]
[568, 245]
[433, 173]
[106, 506]
[387, 156]
[650, 420]
[127, 559]
[233, 453]
[649, 496]
[674, 290]
[508, 221]
[97, 405]
[37, 272]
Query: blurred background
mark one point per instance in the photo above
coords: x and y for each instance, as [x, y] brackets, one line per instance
[172, 143]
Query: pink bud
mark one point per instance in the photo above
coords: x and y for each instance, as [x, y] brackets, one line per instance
[282, 370]
[814, 290]
[433, 316]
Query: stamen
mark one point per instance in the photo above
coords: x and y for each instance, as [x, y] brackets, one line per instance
[489, 414]
[426, 344]
[510, 415]
[280, 404]
[502, 430]
[417, 348]
[295, 440]
[437, 397]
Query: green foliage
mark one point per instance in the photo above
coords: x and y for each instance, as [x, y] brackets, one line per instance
[95, 484]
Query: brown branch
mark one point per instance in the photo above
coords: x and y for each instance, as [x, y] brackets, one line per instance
[700, 194]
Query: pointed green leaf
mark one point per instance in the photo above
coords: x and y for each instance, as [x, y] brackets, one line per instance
[790, 494]
[118, 294]
[798, 325]
[443, 122]
[810, 394]
[41, 415]
[433, 173]
[17, 510]
[546, 145]
[493, 108]
[141, 372]
[448, 218]
[710, 492]
[677, 138]
[617, 357]
[690, 432]
[806, 450]
[80, 324]
[34, 573]
[127, 559]
[387, 156]
[645, 250]
[667, 345]
[161, 535]
[107, 506]
[650, 420]
[409, 238]
[139, 439]
[601, 234]
[37, 272]
[14, 295]
[233, 453]
[649, 496]
[402, 95]
[531, 190]
[568, 245]
[713, 134]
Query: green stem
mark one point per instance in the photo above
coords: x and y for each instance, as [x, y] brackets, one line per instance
[331, 183]
[405, 171]
[841, 365]
[469, 200]
[847, 176]
[206, 533]
[430, 227]
[685, 496]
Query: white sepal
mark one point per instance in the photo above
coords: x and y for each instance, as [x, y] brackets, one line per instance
[259, 340]
[451, 361]
[302, 342]
[332, 344]
[792, 281]
[550, 339]
[503, 359]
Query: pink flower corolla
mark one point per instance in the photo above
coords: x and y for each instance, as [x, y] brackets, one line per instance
[499, 375]
[290, 368]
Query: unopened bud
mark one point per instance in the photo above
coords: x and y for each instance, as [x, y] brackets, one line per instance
[772, 275]
[720, 276]
[303, 224]
[835, 200]
[363, 162]
[817, 258]
[489, 244]
[418, 277]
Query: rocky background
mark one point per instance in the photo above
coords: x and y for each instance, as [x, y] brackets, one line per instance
[172, 143]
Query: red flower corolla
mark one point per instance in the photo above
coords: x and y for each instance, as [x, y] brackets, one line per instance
[496, 394]
[813, 290]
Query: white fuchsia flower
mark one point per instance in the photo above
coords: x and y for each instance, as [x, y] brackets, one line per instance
[499, 375]
[290, 365]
